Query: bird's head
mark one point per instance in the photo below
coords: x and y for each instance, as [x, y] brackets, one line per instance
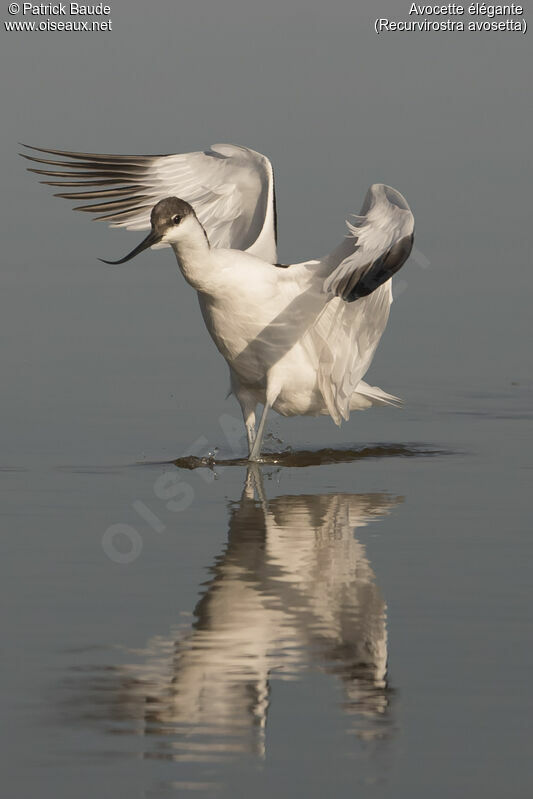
[173, 220]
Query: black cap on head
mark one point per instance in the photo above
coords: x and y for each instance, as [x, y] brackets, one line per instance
[165, 214]
[166, 210]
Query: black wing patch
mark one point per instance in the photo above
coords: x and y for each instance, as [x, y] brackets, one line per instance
[367, 279]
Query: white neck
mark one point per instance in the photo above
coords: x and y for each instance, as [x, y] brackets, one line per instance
[193, 253]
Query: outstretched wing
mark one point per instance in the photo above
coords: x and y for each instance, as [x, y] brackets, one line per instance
[231, 188]
[379, 242]
[343, 340]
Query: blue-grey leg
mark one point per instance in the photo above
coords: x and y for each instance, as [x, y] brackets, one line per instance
[255, 451]
[248, 405]
[249, 422]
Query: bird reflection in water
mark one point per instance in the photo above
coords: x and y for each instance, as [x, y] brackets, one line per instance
[292, 590]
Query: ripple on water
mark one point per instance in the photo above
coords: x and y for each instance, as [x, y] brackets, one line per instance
[320, 457]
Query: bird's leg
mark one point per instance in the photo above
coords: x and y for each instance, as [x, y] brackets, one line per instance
[255, 450]
[249, 423]
[248, 405]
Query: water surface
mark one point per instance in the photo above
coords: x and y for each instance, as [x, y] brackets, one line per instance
[367, 617]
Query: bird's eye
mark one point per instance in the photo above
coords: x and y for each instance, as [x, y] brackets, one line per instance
[176, 219]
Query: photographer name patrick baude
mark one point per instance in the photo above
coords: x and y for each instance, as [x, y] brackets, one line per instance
[63, 9]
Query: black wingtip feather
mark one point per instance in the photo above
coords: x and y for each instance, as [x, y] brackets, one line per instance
[97, 157]
[379, 271]
[123, 215]
[123, 204]
[100, 193]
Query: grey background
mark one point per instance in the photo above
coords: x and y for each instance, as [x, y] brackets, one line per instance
[104, 368]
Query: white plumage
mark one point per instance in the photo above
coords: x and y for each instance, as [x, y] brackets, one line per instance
[298, 338]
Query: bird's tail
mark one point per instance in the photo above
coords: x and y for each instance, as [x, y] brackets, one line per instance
[372, 395]
[364, 397]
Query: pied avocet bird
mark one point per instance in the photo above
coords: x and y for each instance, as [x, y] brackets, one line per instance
[297, 338]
